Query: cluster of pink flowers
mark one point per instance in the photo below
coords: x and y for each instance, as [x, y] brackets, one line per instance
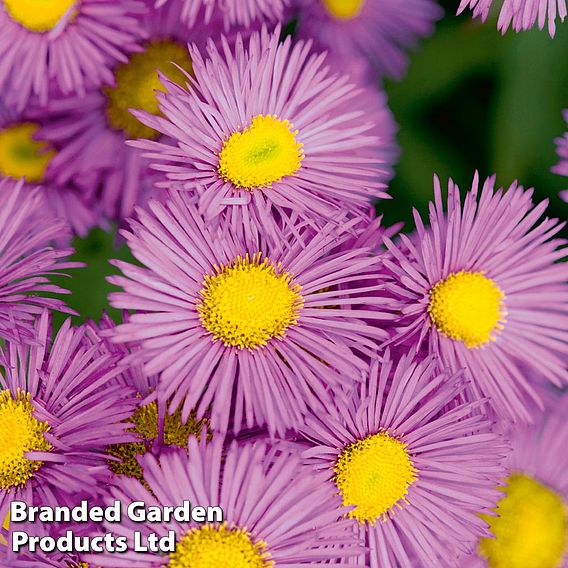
[349, 394]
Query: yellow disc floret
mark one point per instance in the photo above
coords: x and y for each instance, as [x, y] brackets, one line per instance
[467, 307]
[137, 82]
[21, 156]
[219, 547]
[530, 529]
[374, 475]
[21, 433]
[261, 154]
[38, 15]
[249, 302]
[145, 419]
[344, 9]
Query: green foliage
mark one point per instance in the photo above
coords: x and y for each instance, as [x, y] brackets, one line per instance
[88, 286]
[474, 99]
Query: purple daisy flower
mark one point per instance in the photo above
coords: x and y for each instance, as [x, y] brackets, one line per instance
[59, 412]
[26, 260]
[274, 512]
[302, 141]
[521, 15]
[27, 152]
[415, 465]
[91, 132]
[562, 167]
[73, 43]
[234, 12]
[483, 289]
[152, 426]
[529, 527]
[379, 30]
[260, 323]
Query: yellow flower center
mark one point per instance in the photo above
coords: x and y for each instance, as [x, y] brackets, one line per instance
[21, 156]
[137, 82]
[261, 154]
[219, 547]
[530, 531]
[20, 433]
[38, 15]
[249, 302]
[468, 307]
[374, 475]
[145, 419]
[344, 9]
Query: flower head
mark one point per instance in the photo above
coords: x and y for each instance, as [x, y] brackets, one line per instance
[30, 153]
[262, 324]
[75, 43]
[90, 131]
[483, 289]
[379, 30]
[275, 512]
[302, 143]
[521, 15]
[529, 525]
[58, 412]
[153, 428]
[27, 258]
[414, 464]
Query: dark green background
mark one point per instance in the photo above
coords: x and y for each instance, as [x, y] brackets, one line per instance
[473, 99]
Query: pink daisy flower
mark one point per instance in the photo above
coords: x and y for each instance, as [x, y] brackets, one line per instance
[482, 287]
[274, 512]
[529, 525]
[521, 15]
[261, 325]
[28, 152]
[60, 412]
[415, 466]
[303, 141]
[91, 131]
[233, 12]
[73, 43]
[562, 167]
[154, 429]
[379, 30]
[27, 259]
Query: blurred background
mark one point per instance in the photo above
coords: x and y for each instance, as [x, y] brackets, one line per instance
[473, 99]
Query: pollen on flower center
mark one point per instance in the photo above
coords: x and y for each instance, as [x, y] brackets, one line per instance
[530, 529]
[21, 433]
[145, 420]
[137, 82]
[261, 154]
[21, 156]
[374, 475]
[344, 9]
[38, 15]
[249, 302]
[212, 547]
[467, 307]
